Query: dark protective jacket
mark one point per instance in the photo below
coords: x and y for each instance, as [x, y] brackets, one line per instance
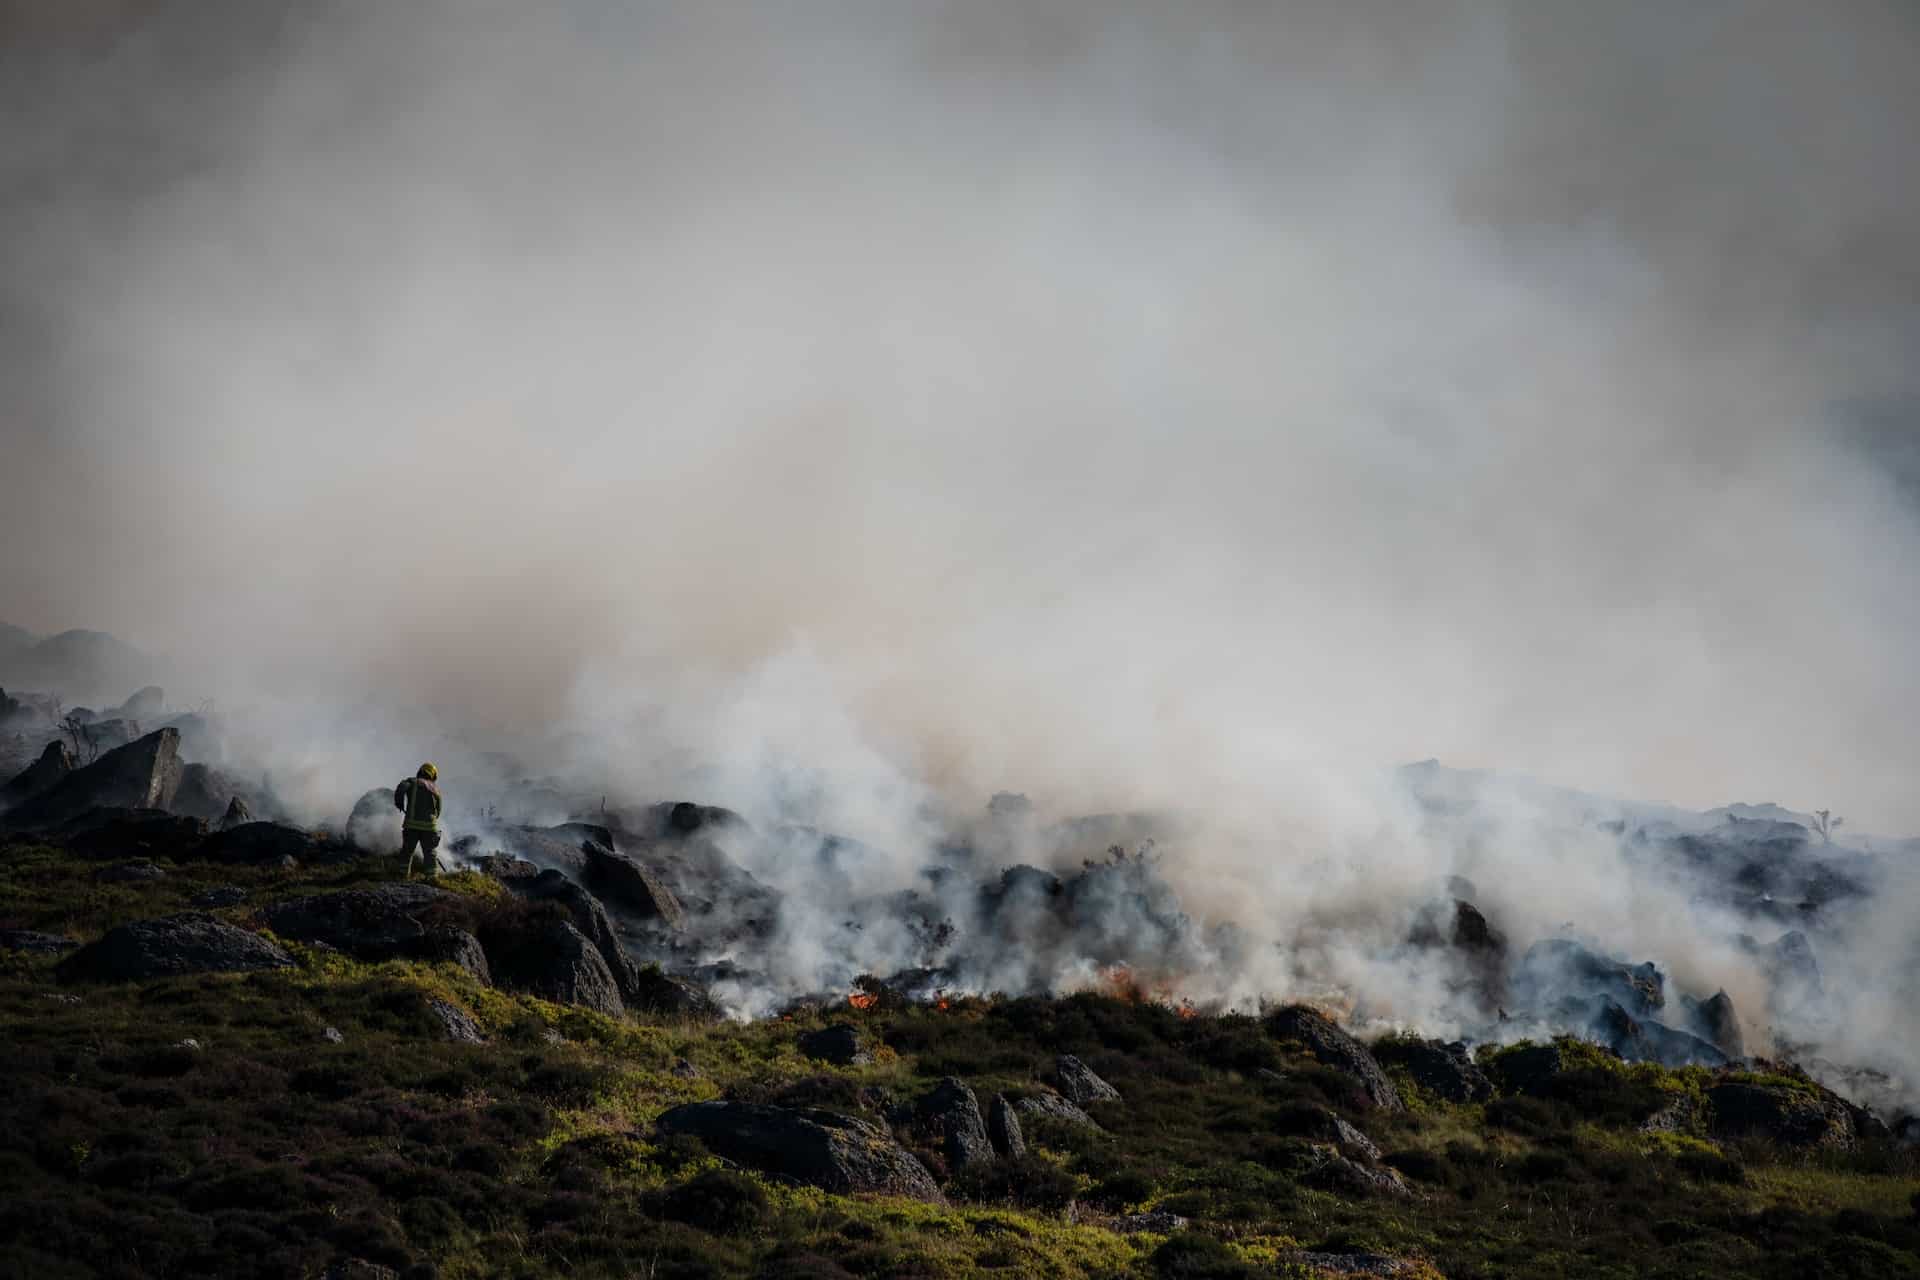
[419, 800]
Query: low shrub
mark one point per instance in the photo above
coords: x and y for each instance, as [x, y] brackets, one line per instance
[720, 1201]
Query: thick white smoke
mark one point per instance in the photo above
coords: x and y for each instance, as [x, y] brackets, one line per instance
[844, 412]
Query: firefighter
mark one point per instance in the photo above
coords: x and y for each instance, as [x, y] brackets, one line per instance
[418, 799]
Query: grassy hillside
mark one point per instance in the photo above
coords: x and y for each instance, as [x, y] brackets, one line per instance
[212, 1125]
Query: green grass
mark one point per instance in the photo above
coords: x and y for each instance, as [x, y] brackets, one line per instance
[269, 1151]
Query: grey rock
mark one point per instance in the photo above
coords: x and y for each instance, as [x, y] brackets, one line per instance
[373, 825]
[205, 792]
[551, 959]
[1332, 1047]
[141, 775]
[951, 1110]
[54, 764]
[1351, 1264]
[1047, 1105]
[179, 944]
[838, 1044]
[237, 815]
[1444, 1070]
[1080, 1085]
[837, 1153]
[1714, 1021]
[332, 1036]
[456, 1022]
[1159, 1222]
[1333, 1171]
[624, 880]
[685, 1069]
[222, 895]
[380, 923]
[1003, 1128]
[456, 946]
[119, 833]
[1802, 1115]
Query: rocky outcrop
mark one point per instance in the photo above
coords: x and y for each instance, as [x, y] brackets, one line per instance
[824, 1149]
[33, 943]
[838, 1044]
[382, 923]
[1714, 1021]
[1444, 1070]
[1559, 970]
[54, 764]
[1079, 1084]
[141, 775]
[237, 815]
[549, 958]
[455, 1023]
[951, 1111]
[1048, 1105]
[1332, 1047]
[1325, 1125]
[1790, 1111]
[180, 944]
[205, 792]
[263, 843]
[1638, 1040]
[1330, 1170]
[625, 881]
[1003, 1128]
[118, 833]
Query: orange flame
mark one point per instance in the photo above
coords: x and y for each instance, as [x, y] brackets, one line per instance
[863, 999]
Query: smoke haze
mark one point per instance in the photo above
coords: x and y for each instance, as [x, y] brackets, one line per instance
[845, 411]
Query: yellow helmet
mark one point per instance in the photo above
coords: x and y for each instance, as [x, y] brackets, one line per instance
[428, 772]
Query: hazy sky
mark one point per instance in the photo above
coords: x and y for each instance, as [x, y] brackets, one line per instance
[1118, 403]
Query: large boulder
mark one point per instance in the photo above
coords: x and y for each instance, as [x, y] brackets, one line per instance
[1644, 1040]
[1332, 1047]
[1556, 971]
[1080, 1085]
[824, 1149]
[143, 705]
[382, 923]
[639, 987]
[374, 823]
[123, 833]
[1003, 1128]
[559, 847]
[141, 775]
[258, 843]
[1714, 1021]
[624, 880]
[546, 956]
[1790, 1110]
[838, 1044]
[951, 1111]
[190, 943]
[206, 792]
[1330, 1170]
[1045, 1104]
[1442, 1069]
[54, 764]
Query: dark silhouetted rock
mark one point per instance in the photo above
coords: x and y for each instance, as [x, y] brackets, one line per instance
[237, 815]
[1644, 1040]
[141, 775]
[54, 764]
[624, 880]
[121, 833]
[381, 923]
[683, 818]
[951, 1110]
[204, 792]
[1080, 1085]
[455, 1022]
[1047, 1105]
[374, 824]
[1444, 1070]
[1557, 970]
[559, 847]
[178, 944]
[1714, 1021]
[838, 1044]
[267, 843]
[1324, 1125]
[504, 866]
[1793, 1113]
[824, 1149]
[1332, 1047]
[130, 873]
[1529, 1069]
[1003, 1128]
[551, 959]
[1333, 1171]
[456, 946]
[670, 996]
[32, 943]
